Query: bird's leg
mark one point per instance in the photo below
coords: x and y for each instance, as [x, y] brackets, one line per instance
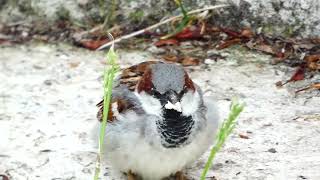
[180, 176]
[131, 176]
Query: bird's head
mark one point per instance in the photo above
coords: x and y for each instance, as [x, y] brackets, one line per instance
[167, 87]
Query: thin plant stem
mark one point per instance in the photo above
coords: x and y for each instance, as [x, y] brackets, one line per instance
[136, 33]
[109, 18]
[109, 75]
[183, 23]
[224, 131]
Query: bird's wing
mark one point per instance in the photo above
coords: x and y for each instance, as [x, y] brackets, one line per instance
[132, 75]
[123, 97]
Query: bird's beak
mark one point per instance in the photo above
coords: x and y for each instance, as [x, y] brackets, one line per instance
[176, 106]
[173, 101]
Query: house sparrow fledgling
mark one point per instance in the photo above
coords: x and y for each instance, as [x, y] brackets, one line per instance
[158, 121]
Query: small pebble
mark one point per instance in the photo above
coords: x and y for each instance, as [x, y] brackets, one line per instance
[209, 61]
[243, 136]
[302, 177]
[48, 82]
[272, 150]
[155, 50]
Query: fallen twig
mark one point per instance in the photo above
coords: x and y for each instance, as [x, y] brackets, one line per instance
[158, 24]
[312, 86]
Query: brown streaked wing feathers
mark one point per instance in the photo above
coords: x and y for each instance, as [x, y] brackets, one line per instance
[122, 105]
[131, 75]
[130, 78]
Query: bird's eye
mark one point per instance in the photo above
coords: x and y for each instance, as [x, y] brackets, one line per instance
[185, 90]
[154, 92]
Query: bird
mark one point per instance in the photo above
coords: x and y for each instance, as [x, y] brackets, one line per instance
[158, 122]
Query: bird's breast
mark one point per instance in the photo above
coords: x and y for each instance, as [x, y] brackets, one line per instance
[174, 128]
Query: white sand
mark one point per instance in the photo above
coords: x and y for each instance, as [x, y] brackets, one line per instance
[47, 108]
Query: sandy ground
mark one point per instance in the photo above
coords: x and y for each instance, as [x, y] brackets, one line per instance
[48, 95]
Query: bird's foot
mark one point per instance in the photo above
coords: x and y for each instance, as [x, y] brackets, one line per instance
[180, 176]
[131, 176]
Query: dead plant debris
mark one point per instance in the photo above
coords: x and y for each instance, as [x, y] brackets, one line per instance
[304, 54]
[297, 76]
[243, 136]
[167, 42]
[312, 86]
[187, 47]
[4, 177]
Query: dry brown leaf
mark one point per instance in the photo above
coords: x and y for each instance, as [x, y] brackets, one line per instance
[193, 32]
[313, 86]
[313, 61]
[265, 48]
[247, 33]
[4, 41]
[316, 40]
[299, 74]
[171, 58]
[215, 29]
[314, 66]
[93, 44]
[228, 43]
[231, 33]
[190, 61]
[316, 86]
[166, 42]
[312, 58]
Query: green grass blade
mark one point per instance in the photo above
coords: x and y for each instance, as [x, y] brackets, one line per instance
[109, 75]
[184, 22]
[183, 10]
[225, 130]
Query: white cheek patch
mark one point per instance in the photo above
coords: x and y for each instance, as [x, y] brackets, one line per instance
[176, 106]
[114, 108]
[150, 104]
[190, 103]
